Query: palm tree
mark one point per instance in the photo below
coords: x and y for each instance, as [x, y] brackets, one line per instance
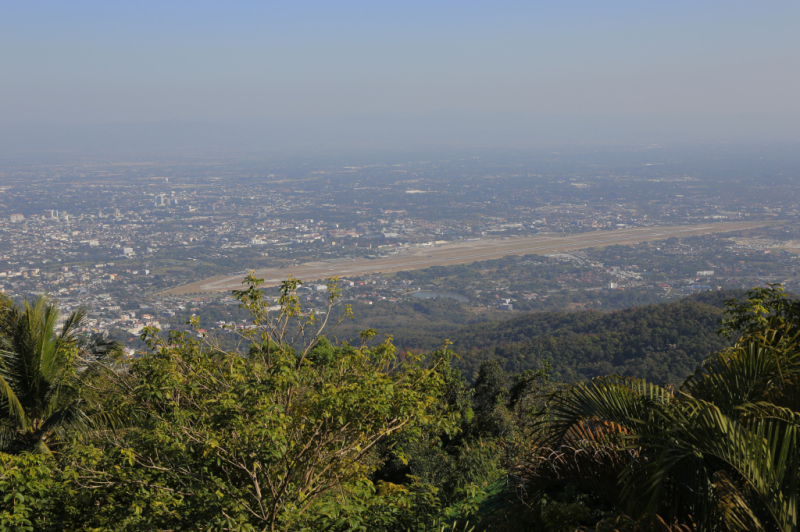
[721, 453]
[43, 372]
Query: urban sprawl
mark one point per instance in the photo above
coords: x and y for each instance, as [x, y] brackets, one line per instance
[114, 236]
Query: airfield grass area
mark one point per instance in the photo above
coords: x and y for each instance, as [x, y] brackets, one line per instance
[464, 252]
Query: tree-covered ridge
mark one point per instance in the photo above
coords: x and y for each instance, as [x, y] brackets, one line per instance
[659, 342]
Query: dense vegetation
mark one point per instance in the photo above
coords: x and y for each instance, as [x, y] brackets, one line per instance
[294, 433]
[661, 342]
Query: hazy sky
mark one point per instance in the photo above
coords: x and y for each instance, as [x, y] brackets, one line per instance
[97, 62]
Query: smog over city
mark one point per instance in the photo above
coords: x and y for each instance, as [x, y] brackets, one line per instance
[534, 196]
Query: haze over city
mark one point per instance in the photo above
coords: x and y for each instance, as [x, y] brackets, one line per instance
[260, 75]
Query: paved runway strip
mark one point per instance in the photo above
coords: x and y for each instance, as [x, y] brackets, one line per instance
[464, 252]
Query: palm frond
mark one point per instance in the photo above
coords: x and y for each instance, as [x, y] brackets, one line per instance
[14, 409]
[625, 402]
[40, 375]
[40, 447]
[69, 420]
[748, 372]
[592, 461]
[73, 322]
[763, 456]
[765, 410]
[8, 432]
[732, 506]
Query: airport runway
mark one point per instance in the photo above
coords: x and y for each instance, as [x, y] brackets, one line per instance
[416, 258]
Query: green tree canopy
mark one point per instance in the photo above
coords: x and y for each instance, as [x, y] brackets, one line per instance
[282, 438]
[43, 369]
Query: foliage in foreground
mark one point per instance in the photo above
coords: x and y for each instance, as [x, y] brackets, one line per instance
[720, 453]
[294, 434]
[45, 377]
[287, 436]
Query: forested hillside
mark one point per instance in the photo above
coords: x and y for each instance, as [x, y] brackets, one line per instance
[423, 324]
[661, 342]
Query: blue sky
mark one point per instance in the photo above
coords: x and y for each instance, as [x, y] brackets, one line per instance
[98, 62]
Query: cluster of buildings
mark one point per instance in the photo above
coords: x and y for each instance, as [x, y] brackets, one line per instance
[112, 236]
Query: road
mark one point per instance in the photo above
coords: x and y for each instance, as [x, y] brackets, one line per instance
[416, 258]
